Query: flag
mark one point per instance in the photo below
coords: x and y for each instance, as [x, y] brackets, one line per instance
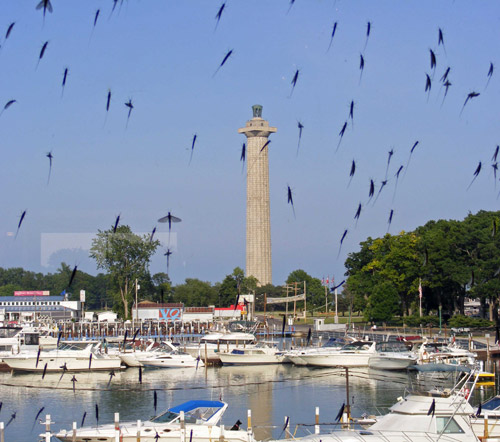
[63, 292]
[420, 289]
[327, 280]
[323, 281]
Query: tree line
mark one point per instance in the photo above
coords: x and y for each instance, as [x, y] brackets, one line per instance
[123, 258]
[446, 261]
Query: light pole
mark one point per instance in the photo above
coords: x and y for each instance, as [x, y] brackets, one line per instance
[440, 308]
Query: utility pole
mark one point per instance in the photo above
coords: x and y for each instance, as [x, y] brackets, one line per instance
[305, 302]
[295, 302]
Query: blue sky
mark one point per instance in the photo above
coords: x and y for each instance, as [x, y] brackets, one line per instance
[163, 54]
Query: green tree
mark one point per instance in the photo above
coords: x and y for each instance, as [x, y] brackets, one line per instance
[382, 303]
[315, 292]
[195, 293]
[125, 256]
[162, 287]
[268, 291]
[234, 285]
[393, 259]
[359, 283]
[9, 289]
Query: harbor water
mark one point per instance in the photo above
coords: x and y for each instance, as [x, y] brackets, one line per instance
[271, 393]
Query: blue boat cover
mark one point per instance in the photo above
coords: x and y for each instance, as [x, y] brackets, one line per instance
[192, 405]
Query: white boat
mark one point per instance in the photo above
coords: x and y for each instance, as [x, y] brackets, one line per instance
[443, 353]
[295, 355]
[168, 356]
[68, 357]
[413, 418]
[393, 355]
[195, 421]
[14, 339]
[211, 344]
[354, 354]
[131, 355]
[259, 355]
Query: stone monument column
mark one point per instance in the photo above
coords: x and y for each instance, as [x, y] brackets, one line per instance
[258, 247]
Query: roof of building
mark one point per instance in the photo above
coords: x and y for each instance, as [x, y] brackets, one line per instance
[239, 307]
[31, 298]
[151, 304]
[37, 309]
[198, 309]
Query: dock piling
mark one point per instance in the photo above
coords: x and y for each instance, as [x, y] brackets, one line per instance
[2, 432]
[139, 430]
[183, 428]
[74, 432]
[47, 428]
[316, 426]
[221, 436]
[287, 426]
[249, 425]
[249, 422]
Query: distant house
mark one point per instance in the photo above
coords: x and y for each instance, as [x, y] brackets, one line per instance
[106, 316]
[230, 312]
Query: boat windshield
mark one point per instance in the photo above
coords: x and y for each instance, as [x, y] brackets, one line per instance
[492, 404]
[357, 346]
[393, 347]
[165, 417]
[334, 342]
[9, 332]
[195, 416]
[436, 347]
[447, 425]
[74, 345]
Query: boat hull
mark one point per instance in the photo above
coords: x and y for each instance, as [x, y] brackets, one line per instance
[128, 433]
[56, 364]
[172, 362]
[231, 359]
[381, 362]
[337, 360]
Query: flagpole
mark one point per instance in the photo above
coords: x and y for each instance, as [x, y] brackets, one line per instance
[336, 314]
[326, 300]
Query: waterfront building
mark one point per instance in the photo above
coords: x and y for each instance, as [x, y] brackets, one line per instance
[28, 306]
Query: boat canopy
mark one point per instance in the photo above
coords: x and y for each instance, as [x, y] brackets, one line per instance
[191, 405]
[492, 404]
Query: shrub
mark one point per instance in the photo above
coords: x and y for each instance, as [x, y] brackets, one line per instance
[466, 321]
[425, 321]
